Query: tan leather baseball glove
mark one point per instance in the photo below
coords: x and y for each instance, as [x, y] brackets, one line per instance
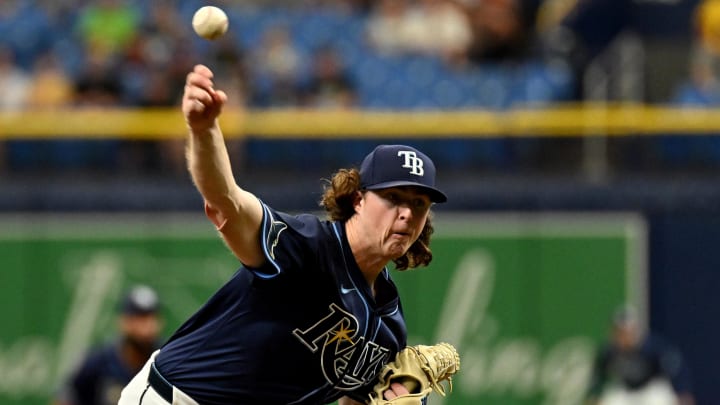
[419, 368]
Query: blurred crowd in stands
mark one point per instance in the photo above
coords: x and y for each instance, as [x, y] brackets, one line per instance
[377, 54]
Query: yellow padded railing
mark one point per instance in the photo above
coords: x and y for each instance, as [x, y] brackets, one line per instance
[562, 121]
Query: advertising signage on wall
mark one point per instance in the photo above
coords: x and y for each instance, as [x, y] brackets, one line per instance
[525, 298]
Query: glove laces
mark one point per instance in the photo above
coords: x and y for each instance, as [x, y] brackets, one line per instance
[441, 362]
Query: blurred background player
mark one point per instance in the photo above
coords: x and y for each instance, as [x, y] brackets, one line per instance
[107, 369]
[637, 368]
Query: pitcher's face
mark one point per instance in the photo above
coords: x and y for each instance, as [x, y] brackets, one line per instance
[394, 217]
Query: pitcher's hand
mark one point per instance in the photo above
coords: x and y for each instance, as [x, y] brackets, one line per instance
[201, 104]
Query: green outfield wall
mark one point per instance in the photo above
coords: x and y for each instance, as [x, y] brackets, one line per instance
[524, 298]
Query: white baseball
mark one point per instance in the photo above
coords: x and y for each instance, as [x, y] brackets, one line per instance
[210, 22]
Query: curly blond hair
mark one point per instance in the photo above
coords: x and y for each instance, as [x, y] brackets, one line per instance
[338, 200]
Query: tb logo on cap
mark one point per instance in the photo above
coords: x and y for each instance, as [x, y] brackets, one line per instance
[412, 162]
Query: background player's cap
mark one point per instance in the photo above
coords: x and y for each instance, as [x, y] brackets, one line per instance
[399, 165]
[140, 300]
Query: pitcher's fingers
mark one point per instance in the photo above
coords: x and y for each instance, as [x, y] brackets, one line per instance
[203, 70]
[399, 389]
[389, 394]
[219, 96]
[194, 79]
[199, 94]
[194, 107]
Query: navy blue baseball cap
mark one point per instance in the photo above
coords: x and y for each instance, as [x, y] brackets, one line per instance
[399, 165]
[140, 300]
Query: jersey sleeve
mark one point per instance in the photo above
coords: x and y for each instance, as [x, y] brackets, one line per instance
[673, 365]
[288, 242]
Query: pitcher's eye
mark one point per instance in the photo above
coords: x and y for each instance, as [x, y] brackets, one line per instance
[392, 197]
[419, 203]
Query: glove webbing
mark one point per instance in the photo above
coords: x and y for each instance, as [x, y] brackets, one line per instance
[446, 366]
